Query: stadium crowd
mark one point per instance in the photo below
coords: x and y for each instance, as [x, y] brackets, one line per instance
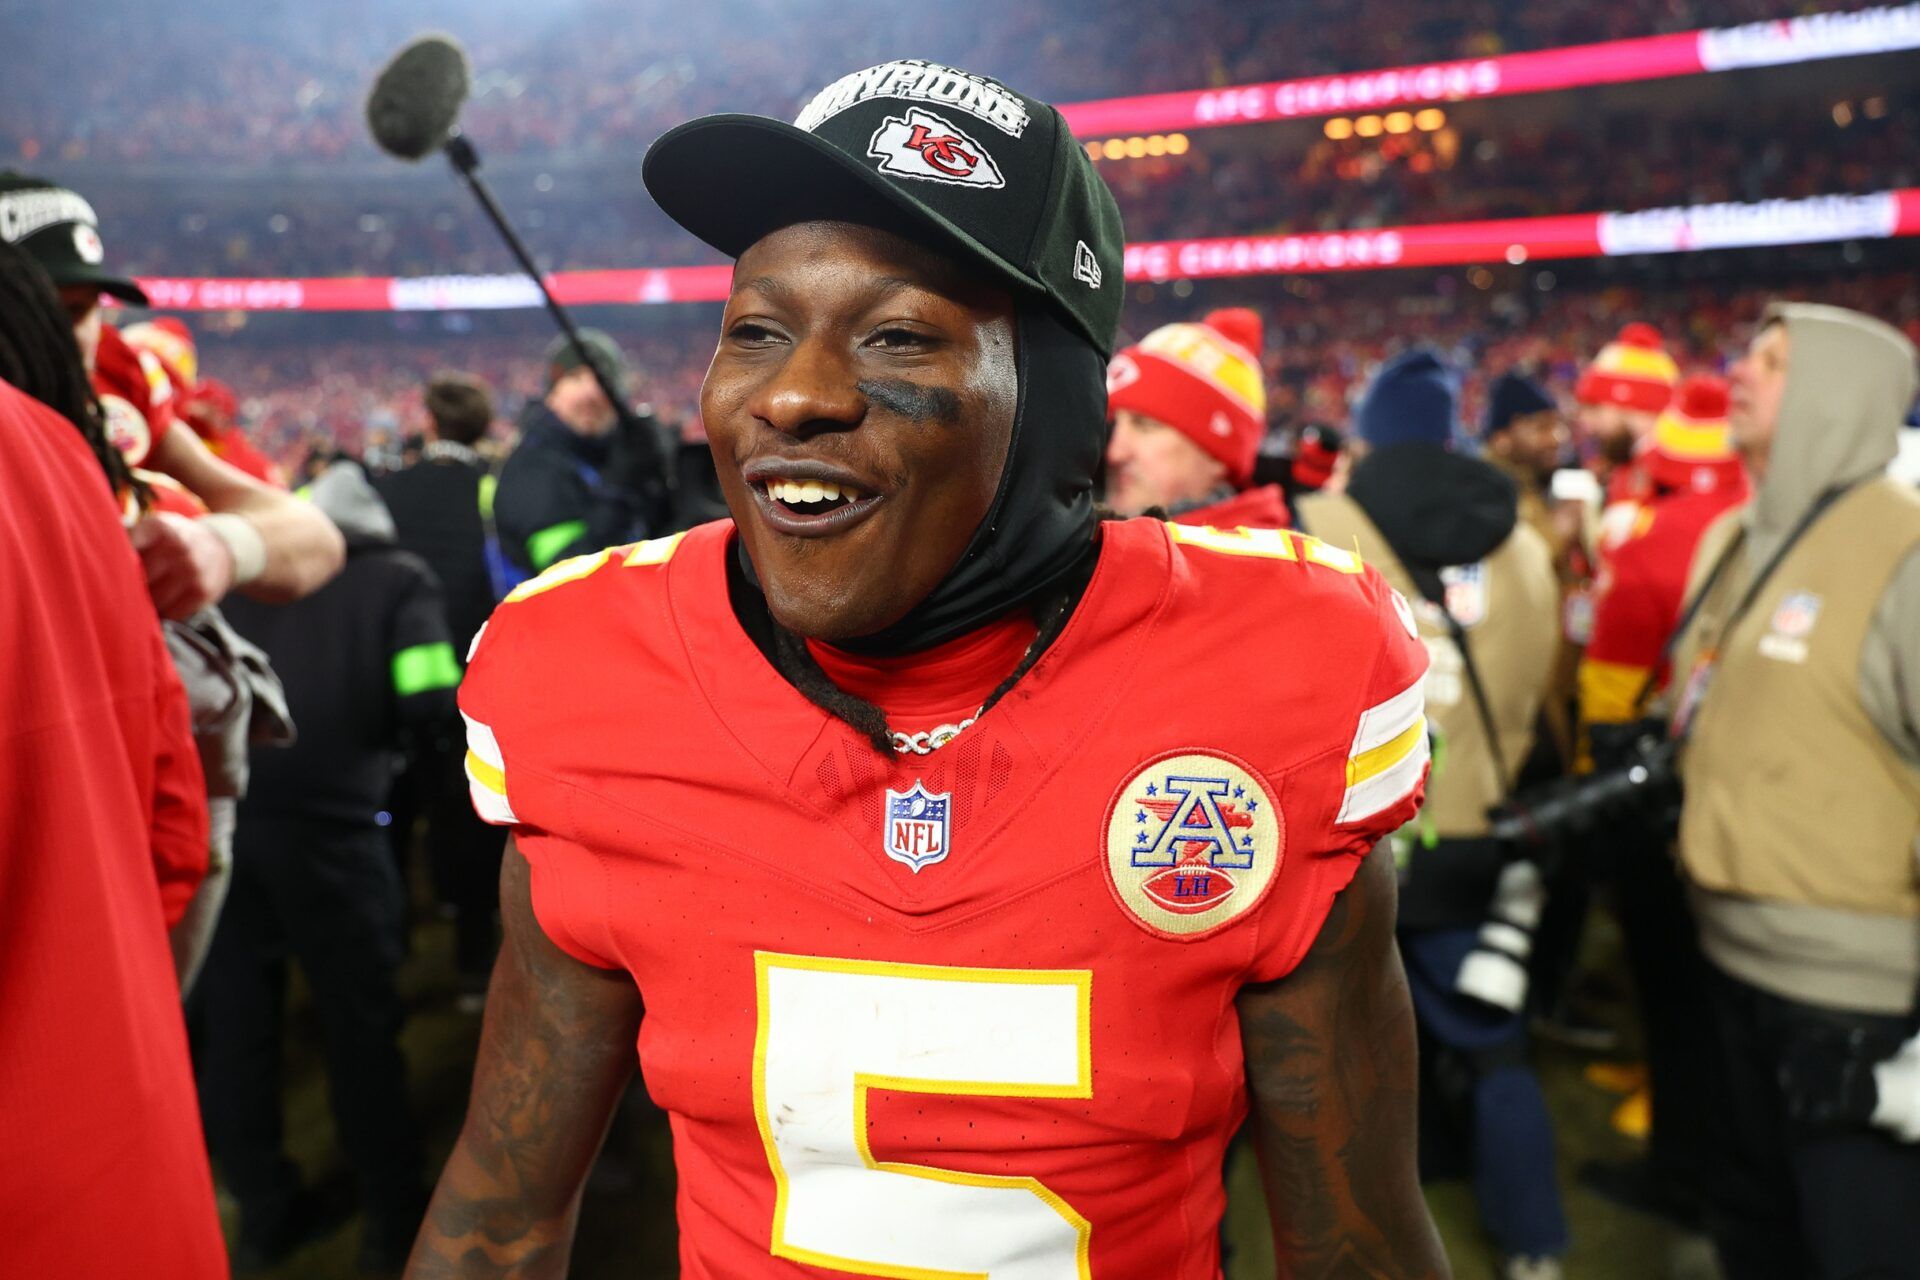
[1583, 491]
[207, 91]
[1507, 165]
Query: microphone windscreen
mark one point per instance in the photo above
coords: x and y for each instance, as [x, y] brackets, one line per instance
[417, 98]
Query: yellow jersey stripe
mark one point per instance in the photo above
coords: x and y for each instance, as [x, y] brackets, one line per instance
[1387, 788]
[1373, 763]
[485, 775]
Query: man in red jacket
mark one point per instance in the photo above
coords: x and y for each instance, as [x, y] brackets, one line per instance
[1189, 408]
[105, 1173]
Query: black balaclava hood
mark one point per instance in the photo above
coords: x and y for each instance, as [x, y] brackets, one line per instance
[1040, 527]
[1435, 507]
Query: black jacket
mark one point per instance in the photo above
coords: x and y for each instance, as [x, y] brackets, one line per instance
[563, 494]
[363, 659]
[1437, 508]
[440, 506]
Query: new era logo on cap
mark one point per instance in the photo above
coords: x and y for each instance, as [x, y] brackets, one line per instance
[1086, 267]
[922, 145]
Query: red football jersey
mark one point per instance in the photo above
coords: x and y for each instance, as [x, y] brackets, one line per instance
[969, 1012]
[1638, 598]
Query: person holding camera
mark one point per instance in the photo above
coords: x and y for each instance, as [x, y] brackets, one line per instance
[580, 480]
[1799, 729]
[1444, 529]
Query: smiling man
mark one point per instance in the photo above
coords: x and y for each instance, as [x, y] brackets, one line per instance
[977, 864]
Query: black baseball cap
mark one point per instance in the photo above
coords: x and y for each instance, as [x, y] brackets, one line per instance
[59, 230]
[929, 152]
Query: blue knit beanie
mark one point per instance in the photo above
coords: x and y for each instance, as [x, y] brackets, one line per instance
[1514, 396]
[1413, 399]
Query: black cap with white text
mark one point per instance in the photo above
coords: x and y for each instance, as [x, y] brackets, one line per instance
[930, 152]
[59, 230]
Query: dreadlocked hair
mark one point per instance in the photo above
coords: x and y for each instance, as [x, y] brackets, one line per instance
[795, 661]
[39, 357]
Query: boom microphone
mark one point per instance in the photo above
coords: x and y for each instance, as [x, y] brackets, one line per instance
[413, 110]
[417, 98]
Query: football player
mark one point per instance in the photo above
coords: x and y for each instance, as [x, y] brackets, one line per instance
[979, 864]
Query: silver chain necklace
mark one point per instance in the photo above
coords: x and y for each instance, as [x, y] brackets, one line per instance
[925, 744]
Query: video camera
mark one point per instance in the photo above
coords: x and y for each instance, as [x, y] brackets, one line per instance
[1637, 779]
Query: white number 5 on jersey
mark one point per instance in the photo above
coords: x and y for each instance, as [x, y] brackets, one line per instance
[830, 1030]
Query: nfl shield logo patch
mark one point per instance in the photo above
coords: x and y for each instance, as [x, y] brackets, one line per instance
[1796, 615]
[917, 828]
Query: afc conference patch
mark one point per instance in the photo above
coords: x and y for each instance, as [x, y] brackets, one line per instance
[918, 830]
[1193, 840]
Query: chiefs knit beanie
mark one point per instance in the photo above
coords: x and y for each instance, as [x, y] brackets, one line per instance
[1634, 370]
[1202, 380]
[1692, 447]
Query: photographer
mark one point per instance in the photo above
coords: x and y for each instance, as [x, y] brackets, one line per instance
[1800, 697]
[1444, 529]
[579, 481]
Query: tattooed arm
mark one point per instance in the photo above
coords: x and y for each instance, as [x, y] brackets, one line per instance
[1330, 1064]
[556, 1050]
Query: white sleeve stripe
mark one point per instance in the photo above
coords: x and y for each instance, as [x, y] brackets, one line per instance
[1387, 788]
[481, 742]
[483, 756]
[1382, 724]
[491, 806]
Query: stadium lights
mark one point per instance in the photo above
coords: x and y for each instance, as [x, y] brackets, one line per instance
[1430, 120]
[1139, 147]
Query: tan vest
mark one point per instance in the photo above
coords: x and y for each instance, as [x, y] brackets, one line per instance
[1793, 795]
[1509, 606]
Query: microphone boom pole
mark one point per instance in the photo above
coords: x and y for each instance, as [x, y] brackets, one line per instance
[466, 162]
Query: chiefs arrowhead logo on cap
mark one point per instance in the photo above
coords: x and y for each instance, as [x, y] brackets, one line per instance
[86, 243]
[921, 144]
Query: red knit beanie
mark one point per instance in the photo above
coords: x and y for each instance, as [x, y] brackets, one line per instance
[1691, 447]
[1204, 381]
[1634, 370]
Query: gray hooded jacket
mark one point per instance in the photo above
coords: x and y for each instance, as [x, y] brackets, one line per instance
[1850, 382]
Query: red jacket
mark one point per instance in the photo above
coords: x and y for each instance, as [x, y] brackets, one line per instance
[105, 1171]
[1638, 597]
